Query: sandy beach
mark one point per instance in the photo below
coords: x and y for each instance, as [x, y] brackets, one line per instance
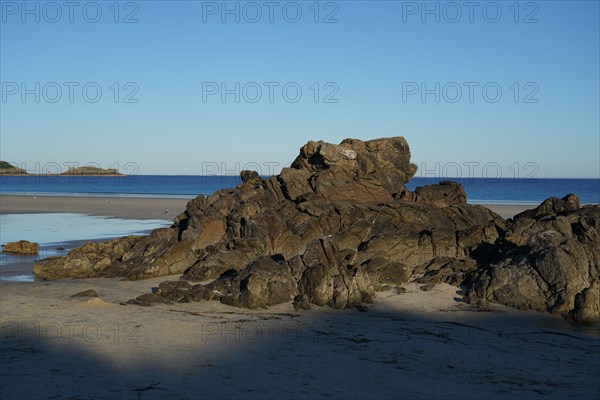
[137, 207]
[508, 210]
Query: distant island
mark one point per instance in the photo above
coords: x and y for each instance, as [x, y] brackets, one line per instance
[9, 169]
[88, 170]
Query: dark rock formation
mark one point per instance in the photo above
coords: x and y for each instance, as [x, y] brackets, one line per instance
[443, 194]
[21, 247]
[548, 260]
[339, 225]
[89, 261]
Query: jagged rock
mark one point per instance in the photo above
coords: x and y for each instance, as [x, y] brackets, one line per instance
[339, 224]
[444, 269]
[384, 272]
[548, 260]
[21, 247]
[327, 280]
[249, 176]
[347, 192]
[552, 205]
[443, 194]
[323, 280]
[88, 261]
[360, 172]
[261, 284]
[177, 291]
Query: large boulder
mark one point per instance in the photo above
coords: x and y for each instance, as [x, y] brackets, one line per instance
[443, 194]
[360, 172]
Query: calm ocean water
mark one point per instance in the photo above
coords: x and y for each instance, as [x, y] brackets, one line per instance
[479, 190]
[57, 234]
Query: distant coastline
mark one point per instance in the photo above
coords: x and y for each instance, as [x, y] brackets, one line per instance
[63, 174]
[8, 169]
[91, 171]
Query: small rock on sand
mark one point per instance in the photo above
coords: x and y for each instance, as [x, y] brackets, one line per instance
[86, 293]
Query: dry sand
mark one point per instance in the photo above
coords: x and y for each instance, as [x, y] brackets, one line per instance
[417, 345]
[507, 211]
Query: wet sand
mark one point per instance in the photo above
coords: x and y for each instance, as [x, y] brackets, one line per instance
[119, 207]
[137, 208]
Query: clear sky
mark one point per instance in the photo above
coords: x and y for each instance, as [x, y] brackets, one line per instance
[477, 88]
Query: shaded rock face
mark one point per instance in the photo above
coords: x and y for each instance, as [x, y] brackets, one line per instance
[338, 226]
[265, 282]
[443, 194]
[21, 247]
[548, 260]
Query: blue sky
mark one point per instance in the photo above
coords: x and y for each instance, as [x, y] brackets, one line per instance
[366, 69]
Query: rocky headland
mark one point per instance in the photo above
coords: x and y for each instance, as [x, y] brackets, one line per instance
[340, 225]
[9, 169]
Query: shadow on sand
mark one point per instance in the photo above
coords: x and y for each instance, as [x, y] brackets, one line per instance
[187, 353]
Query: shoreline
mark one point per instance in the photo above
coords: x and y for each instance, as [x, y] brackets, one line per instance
[127, 207]
[106, 206]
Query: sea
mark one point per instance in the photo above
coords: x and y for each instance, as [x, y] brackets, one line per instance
[479, 190]
[57, 233]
